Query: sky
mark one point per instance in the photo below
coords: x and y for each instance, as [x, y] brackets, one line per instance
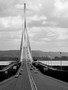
[47, 24]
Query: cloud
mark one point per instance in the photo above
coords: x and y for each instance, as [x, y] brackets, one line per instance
[49, 33]
[45, 39]
[60, 9]
[30, 6]
[33, 31]
[44, 30]
[36, 18]
[11, 22]
[17, 21]
[38, 34]
[10, 35]
[57, 33]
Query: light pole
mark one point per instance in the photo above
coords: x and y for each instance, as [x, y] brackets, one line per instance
[61, 60]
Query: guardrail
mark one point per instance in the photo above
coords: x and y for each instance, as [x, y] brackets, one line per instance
[8, 67]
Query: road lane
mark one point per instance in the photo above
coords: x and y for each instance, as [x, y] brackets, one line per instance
[44, 82]
[9, 85]
[23, 82]
[20, 83]
[41, 81]
[33, 85]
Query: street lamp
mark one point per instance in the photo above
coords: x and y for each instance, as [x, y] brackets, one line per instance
[6, 72]
[61, 60]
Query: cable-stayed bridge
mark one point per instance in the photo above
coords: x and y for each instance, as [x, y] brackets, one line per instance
[28, 77]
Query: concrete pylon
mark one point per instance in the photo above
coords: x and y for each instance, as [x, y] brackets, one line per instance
[25, 49]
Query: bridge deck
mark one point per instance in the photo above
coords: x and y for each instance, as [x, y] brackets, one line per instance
[42, 82]
[20, 83]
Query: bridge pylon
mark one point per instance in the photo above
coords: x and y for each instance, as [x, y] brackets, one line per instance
[25, 49]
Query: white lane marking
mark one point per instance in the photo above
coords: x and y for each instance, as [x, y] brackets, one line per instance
[33, 85]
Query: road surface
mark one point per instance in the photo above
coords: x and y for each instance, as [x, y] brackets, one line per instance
[32, 79]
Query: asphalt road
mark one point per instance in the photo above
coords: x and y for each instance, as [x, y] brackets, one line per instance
[32, 79]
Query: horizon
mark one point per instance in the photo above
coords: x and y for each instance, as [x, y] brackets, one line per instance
[39, 50]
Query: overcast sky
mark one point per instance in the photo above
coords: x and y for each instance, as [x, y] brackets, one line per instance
[47, 24]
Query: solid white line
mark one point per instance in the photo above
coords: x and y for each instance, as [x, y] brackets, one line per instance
[33, 85]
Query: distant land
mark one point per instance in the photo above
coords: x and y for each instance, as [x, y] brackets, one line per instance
[16, 53]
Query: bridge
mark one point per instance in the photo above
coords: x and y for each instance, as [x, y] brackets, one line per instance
[28, 77]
